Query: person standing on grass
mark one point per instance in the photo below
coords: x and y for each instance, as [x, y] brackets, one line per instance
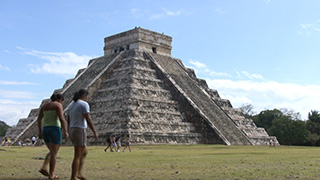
[127, 144]
[109, 140]
[114, 143]
[118, 142]
[50, 121]
[78, 119]
[33, 140]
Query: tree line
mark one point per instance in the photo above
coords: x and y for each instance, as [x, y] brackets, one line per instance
[287, 125]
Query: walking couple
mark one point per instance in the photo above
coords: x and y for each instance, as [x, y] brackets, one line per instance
[52, 124]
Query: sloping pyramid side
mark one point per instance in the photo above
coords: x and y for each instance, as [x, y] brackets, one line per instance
[200, 100]
[218, 111]
[257, 135]
[27, 127]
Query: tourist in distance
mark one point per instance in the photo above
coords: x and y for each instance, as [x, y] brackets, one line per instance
[78, 119]
[118, 142]
[114, 143]
[127, 145]
[50, 121]
[110, 144]
[33, 141]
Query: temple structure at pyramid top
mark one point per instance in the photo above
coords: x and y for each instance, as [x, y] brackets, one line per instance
[138, 90]
[138, 39]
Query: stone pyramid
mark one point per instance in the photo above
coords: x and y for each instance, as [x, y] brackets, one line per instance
[138, 89]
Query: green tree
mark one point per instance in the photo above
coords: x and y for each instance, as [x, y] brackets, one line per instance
[287, 126]
[314, 116]
[264, 118]
[313, 126]
[288, 131]
[313, 140]
[3, 128]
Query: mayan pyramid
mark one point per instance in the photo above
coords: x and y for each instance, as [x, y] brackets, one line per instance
[138, 89]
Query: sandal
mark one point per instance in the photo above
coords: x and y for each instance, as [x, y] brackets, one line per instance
[54, 177]
[81, 178]
[44, 172]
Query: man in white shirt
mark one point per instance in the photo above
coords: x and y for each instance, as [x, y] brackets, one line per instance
[78, 119]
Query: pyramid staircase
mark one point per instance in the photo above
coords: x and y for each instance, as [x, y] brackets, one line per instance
[132, 101]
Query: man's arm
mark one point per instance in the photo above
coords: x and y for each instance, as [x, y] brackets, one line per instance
[90, 124]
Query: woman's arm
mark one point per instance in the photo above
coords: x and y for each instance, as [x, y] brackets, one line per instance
[62, 120]
[39, 121]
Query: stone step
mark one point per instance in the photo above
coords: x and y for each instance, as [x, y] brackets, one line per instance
[181, 128]
[126, 80]
[136, 91]
[134, 100]
[129, 71]
[166, 138]
[258, 132]
[146, 126]
[128, 113]
[135, 62]
[135, 104]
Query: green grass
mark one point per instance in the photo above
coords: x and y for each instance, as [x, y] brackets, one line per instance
[170, 162]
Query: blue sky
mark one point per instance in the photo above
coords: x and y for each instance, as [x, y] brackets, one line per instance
[260, 52]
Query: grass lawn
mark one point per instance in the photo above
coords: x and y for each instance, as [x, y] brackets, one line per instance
[170, 162]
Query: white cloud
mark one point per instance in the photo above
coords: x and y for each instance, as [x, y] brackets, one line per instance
[17, 83]
[203, 68]
[134, 10]
[16, 94]
[251, 88]
[308, 29]
[171, 13]
[11, 111]
[306, 26]
[245, 74]
[164, 13]
[269, 94]
[219, 11]
[4, 68]
[156, 16]
[138, 13]
[66, 63]
[198, 64]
